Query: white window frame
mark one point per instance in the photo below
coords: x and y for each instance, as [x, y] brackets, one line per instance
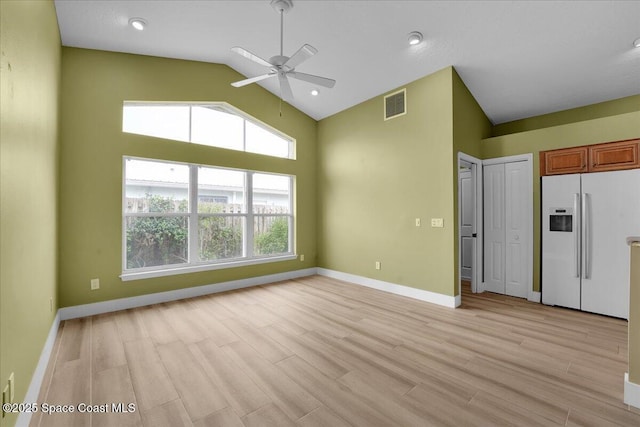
[228, 108]
[194, 264]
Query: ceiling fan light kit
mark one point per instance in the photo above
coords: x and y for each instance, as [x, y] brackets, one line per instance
[280, 65]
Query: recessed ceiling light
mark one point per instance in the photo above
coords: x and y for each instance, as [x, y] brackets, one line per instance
[315, 92]
[415, 37]
[138, 23]
[636, 42]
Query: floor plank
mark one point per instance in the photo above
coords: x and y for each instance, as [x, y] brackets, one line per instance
[151, 383]
[239, 390]
[199, 395]
[290, 398]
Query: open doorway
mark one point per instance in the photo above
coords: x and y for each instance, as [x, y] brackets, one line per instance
[469, 223]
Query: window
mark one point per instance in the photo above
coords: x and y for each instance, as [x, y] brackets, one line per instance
[184, 217]
[214, 124]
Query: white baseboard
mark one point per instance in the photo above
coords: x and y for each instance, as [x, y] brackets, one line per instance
[631, 392]
[24, 418]
[148, 299]
[458, 300]
[534, 296]
[407, 291]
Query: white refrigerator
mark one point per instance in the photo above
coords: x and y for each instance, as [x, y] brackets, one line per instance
[586, 219]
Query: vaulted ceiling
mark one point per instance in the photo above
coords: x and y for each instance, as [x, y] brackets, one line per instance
[518, 58]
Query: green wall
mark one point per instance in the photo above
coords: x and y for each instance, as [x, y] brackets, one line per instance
[30, 85]
[94, 86]
[588, 112]
[376, 177]
[605, 129]
[470, 126]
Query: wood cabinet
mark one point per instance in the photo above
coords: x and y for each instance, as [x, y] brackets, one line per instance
[610, 156]
[567, 160]
[614, 156]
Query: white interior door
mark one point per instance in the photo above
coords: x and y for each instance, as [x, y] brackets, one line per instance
[494, 228]
[473, 191]
[508, 210]
[611, 206]
[516, 229]
[467, 218]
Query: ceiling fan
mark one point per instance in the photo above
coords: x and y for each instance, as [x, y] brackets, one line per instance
[283, 66]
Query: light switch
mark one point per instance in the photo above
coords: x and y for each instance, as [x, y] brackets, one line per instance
[437, 222]
[417, 222]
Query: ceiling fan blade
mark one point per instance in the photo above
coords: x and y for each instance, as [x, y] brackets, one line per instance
[285, 87]
[322, 81]
[250, 56]
[252, 80]
[304, 53]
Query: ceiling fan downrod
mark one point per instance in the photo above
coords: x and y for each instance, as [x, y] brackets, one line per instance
[282, 7]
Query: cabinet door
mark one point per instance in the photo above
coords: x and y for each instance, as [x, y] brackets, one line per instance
[566, 160]
[614, 156]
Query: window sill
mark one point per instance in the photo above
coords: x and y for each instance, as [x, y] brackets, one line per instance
[149, 274]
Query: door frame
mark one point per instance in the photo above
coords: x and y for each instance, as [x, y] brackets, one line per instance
[528, 159]
[477, 264]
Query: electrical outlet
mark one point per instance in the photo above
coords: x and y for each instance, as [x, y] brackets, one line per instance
[95, 284]
[12, 387]
[437, 222]
[302, 257]
[418, 222]
[377, 265]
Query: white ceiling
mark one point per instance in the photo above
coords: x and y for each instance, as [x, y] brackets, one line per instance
[518, 58]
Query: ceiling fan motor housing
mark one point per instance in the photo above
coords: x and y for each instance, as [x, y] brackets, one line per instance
[278, 60]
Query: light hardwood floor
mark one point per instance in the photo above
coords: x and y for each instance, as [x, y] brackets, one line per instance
[320, 352]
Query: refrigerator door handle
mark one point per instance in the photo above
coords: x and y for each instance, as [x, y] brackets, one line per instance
[576, 232]
[586, 221]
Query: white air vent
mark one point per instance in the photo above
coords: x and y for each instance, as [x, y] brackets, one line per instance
[395, 104]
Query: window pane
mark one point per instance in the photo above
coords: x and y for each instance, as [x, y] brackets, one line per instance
[271, 193]
[261, 141]
[220, 190]
[271, 235]
[163, 121]
[156, 241]
[156, 186]
[220, 237]
[216, 128]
